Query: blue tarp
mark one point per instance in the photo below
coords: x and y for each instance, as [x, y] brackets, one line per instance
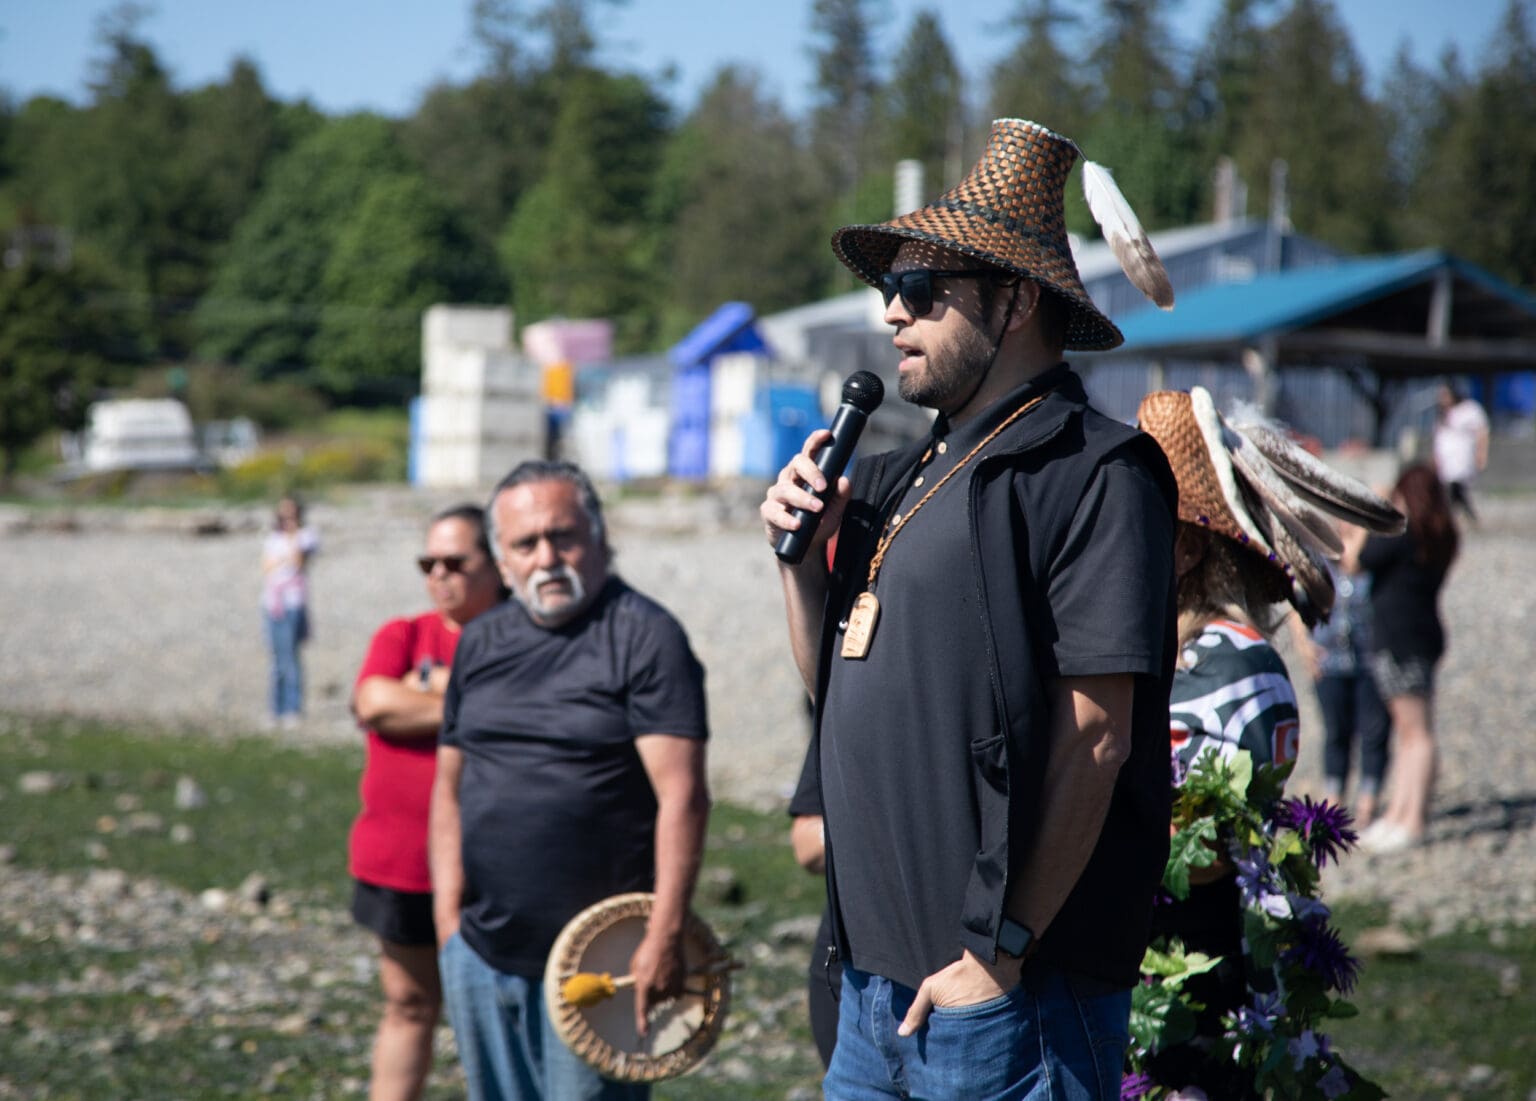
[729, 329]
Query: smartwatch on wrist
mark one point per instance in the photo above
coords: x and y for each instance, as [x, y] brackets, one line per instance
[1014, 939]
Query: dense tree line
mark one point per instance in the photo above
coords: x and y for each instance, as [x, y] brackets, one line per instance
[218, 224]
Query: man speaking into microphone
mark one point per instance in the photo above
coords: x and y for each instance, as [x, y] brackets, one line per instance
[990, 654]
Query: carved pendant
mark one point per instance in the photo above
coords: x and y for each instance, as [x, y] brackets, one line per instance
[861, 626]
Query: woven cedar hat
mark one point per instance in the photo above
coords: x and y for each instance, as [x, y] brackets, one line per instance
[1249, 483]
[1010, 213]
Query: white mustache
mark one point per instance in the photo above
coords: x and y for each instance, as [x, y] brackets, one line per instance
[530, 591]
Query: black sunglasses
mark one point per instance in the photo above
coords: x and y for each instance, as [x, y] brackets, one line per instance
[453, 563]
[916, 286]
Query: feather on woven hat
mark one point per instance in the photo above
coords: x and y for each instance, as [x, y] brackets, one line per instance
[1249, 483]
[1010, 212]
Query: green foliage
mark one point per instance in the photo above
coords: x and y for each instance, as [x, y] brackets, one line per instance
[220, 392]
[1311, 110]
[1037, 79]
[1295, 967]
[482, 144]
[925, 101]
[266, 301]
[1475, 189]
[739, 209]
[278, 470]
[846, 120]
[401, 251]
[1137, 127]
[264, 235]
[572, 246]
[57, 347]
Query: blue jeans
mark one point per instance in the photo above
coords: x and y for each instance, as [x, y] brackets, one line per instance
[1352, 710]
[1040, 1040]
[507, 1046]
[284, 635]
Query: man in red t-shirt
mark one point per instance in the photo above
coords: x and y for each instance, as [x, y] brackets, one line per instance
[398, 699]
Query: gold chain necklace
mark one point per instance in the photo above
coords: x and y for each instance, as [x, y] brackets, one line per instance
[866, 609]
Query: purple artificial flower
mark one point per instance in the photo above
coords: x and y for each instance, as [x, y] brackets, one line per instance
[1256, 881]
[1335, 1083]
[1135, 1085]
[1178, 771]
[1325, 827]
[1320, 949]
[1303, 1047]
[1255, 1021]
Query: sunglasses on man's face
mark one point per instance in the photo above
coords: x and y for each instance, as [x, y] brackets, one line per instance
[453, 563]
[916, 286]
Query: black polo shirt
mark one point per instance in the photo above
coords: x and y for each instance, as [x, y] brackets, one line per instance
[906, 732]
[556, 808]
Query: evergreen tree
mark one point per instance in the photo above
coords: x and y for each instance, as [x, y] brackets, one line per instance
[1312, 112]
[1477, 193]
[575, 240]
[1036, 80]
[739, 210]
[402, 250]
[1138, 127]
[121, 193]
[925, 98]
[1224, 84]
[483, 144]
[266, 300]
[844, 120]
[58, 345]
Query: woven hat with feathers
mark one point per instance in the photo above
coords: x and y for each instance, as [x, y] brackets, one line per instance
[1009, 212]
[1248, 482]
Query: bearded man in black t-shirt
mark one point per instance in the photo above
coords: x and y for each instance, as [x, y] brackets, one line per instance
[570, 768]
[990, 654]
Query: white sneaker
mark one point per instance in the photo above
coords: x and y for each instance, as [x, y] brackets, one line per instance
[290, 722]
[1386, 837]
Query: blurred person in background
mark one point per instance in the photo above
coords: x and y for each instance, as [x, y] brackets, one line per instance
[1407, 573]
[398, 700]
[285, 555]
[1460, 445]
[1337, 656]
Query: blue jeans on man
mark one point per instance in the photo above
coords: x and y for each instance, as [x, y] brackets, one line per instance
[285, 633]
[1040, 1040]
[507, 1045]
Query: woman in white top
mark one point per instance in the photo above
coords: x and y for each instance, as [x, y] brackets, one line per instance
[285, 554]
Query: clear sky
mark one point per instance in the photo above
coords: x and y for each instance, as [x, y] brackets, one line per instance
[382, 54]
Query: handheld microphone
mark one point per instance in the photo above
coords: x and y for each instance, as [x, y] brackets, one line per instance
[862, 395]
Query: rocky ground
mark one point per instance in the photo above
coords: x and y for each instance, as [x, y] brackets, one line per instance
[150, 615]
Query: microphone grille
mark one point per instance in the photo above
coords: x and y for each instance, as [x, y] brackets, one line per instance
[864, 391]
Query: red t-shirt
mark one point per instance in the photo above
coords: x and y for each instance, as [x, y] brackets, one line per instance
[388, 847]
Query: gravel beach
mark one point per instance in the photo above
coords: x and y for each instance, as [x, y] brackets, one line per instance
[150, 615]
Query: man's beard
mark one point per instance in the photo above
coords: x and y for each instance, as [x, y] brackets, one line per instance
[552, 614]
[952, 376]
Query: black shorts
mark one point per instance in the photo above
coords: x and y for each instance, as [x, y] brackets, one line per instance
[402, 917]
